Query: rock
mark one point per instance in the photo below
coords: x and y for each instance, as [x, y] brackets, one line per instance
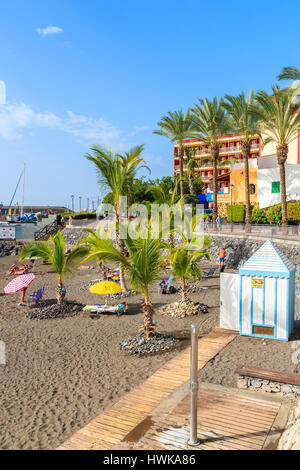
[242, 382]
[66, 309]
[183, 309]
[256, 383]
[286, 388]
[140, 345]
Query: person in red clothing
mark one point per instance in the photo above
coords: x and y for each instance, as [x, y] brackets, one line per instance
[222, 256]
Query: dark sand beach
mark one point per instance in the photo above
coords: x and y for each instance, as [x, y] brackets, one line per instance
[61, 373]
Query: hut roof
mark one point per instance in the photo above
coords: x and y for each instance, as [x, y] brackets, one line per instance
[268, 260]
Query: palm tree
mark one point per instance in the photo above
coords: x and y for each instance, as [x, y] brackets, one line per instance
[115, 172]
[170, 204]
[131, 161]
[177, 126]
[184, 261]
[241, 121]
[211, 122]
[143, 267]
[289, 73]
[191, 164]
[280, 122]
[53, 252]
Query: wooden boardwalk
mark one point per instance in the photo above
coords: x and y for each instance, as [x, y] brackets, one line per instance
[110, 428]
[228, 419]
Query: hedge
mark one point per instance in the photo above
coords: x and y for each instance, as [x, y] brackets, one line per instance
[258, 216]
[238, 213]
[293, 211]
[79, 215]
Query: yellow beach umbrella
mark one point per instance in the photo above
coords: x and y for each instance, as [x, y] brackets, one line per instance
[105, 287]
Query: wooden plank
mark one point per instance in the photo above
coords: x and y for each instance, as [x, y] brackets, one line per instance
[257, 372]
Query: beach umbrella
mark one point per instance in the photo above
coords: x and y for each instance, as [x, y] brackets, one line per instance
[105, 287]
[19, 283]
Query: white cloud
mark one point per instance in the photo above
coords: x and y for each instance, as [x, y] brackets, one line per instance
[15, 119]
[49, 30]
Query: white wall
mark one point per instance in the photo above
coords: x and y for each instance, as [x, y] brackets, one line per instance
[229, 301]
[270, 149]
[265, 177]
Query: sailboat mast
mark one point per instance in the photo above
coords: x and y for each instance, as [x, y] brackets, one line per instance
[22, 208]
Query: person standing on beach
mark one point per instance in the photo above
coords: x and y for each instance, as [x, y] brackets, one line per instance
[219, 222]
[23, 292]
[222, 256]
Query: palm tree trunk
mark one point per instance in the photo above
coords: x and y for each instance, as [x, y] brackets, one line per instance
[59, 293]
[148, 313]
[282, 153]
[215, 157]
[181, 155]
[191, 183]
[121, 247]
[246, 155]
[183, 292]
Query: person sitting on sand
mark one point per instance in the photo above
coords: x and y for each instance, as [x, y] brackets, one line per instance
[222, 256]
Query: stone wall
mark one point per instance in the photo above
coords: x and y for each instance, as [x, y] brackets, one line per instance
[73, 235]
[243, 248]
[290, 438]
[268, 386]
[10, 248]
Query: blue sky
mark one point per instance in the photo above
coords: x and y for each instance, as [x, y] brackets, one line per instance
[83, 72]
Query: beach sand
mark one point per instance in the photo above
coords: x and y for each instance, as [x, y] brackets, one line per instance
[62, 373]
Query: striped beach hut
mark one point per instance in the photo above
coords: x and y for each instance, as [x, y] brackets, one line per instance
[267, 294]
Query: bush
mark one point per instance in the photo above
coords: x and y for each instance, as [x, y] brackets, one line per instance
[293, 211]
[79, 215]
[274, 215]
[238, 213]
[258, 216]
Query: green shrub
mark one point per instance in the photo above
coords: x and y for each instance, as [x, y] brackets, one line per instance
[258, 216]
[293, 211]
[274, 215]
[79, 215]
[238, 213]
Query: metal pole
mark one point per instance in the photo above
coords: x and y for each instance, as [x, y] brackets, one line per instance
[23, 190]
[193, 440]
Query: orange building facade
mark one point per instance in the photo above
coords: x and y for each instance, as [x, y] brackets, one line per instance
[230, 147]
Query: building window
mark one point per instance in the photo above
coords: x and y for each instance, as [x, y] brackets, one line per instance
[252, 188]
[275, 187]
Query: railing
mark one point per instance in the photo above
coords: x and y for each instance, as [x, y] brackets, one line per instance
[47, 231]
[290, 232]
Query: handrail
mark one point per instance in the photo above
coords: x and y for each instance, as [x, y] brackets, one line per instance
[47, 231]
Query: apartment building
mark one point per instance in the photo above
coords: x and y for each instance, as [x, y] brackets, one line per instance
[230, 148]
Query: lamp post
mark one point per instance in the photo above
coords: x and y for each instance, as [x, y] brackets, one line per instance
[231, 188]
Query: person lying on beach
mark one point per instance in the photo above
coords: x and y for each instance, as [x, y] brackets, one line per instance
[14, 269]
